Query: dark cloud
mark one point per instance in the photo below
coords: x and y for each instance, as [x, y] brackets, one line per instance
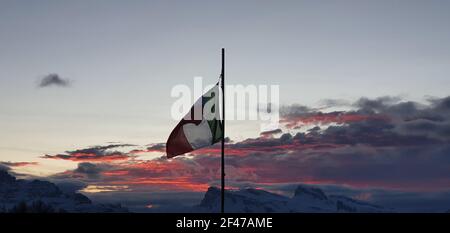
[270, 133]
[96, 153]
[158, 147]
[385, 116]
[18, 164]
[53, 80]
[425, 127]
[90, 169]
[9, 167]
[376, 105]
[295, 110]
[328, 103]
[70, 186]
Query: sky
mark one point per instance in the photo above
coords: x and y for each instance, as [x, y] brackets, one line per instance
[119, 60]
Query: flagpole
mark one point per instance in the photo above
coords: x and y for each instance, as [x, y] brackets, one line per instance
[222, 209]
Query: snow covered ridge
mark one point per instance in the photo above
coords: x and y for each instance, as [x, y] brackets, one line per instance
[23, 196]
[305, 200]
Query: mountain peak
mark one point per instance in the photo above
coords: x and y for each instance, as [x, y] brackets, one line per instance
[243, 200]
[211, 196]
[315, 193]
[5, 177]
[213, 189]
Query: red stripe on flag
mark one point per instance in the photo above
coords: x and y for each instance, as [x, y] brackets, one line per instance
[177, 143]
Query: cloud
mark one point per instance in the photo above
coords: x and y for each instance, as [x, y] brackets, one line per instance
[90, 169]
[18, 164]
[10, 167]
[270, 133]
[407, 118]
[328, 103]
[53, 80]
[96, 153]
[158, 147]
[70, 186]
[381, 143]
[160, 174]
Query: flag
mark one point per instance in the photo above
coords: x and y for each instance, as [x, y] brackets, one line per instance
[201, 127]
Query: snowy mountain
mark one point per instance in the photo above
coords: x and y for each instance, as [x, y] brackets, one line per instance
[309, 199]
[246, 201]
[43, 196]
[306, 199]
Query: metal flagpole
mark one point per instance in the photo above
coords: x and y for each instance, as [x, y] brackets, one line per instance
[222, 209]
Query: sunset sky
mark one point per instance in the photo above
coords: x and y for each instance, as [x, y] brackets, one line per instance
[372, 75]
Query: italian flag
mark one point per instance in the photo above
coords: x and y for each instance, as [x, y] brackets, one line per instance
[201, 127]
